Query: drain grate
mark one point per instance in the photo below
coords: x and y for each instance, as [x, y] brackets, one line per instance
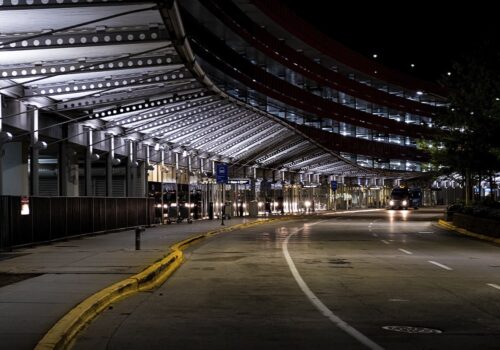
[410, 329]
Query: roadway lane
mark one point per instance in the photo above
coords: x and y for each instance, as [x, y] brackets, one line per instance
[329, 282]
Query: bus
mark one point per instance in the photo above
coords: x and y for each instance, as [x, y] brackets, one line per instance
[400, 198]
[404, 198]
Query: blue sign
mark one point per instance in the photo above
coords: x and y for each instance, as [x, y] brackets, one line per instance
[221, 173]
[334, 185]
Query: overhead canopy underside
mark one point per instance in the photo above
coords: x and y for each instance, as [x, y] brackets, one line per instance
[122, 64]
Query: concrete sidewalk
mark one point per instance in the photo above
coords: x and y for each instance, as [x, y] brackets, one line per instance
[72, 270]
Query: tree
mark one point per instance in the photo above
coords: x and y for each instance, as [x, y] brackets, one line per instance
[471, 143]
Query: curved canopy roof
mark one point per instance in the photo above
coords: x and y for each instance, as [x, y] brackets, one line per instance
[124, 67]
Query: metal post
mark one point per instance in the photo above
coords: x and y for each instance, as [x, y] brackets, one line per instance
[88, 163]
[138, 231]
[35, 152]
[177, 186]
[134, 169]
[335, 200]
[109, 165]
[130, 160]
[161, 182]
[223, 206]
[189, 190]
[145, 173]
[1, 147]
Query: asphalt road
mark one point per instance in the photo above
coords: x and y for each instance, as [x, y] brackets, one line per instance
[378, 279]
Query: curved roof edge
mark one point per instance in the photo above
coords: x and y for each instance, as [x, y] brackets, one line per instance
[173, 21]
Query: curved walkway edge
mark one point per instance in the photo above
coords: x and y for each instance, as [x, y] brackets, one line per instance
[450, 227]
[66, 329]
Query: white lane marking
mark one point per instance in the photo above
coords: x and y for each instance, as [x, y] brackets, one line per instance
[384, 241]
[405, 251]
[493, 285]
[440, 265]
[319, 304]
[353, 211]
[426, 232]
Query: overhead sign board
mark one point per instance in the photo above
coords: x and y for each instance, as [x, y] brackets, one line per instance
[221, 171]
[334, 185]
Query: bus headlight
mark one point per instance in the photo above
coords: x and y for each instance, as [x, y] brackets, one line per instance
[405, 203]
[391, 202]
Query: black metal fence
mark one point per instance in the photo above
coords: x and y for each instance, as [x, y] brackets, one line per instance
[53, 218]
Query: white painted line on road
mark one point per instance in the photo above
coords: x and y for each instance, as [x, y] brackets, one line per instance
[426, 232]
[354, 211]
[384, 241]
[363, 339]
[405, 251]
[441, 265]
[493, 285]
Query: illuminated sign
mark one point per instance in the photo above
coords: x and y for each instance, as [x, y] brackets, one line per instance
[25, 205]
[238, 181]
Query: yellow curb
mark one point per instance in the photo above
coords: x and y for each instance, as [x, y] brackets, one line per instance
[158, 273]
[448, 226]
[66, 329]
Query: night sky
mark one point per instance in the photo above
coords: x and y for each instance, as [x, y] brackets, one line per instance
[427, 34]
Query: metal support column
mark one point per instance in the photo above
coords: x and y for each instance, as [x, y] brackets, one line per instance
[162, 170]
[128, 169]
[88, 163]
[1, 147]
[146, 169]
[35, 152]
[177, 186]
[109, 165]
[63, 168]
[133, 170]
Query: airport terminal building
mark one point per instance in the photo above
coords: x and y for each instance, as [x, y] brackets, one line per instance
[123, 113]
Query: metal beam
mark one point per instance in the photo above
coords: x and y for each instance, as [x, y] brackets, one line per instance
[124, 96]
[46, 4]
[212, 143]
[202, 122]
[219, 128]
[250, 132]
[284, 150]
[254, 141]
[299, 162]
[84, 38]
[165, 115]
[108, 82]
[154, 102]
[85, 65]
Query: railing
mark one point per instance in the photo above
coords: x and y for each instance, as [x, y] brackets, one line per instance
[53, 218]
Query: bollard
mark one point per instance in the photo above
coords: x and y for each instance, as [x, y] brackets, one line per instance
[138, 231]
